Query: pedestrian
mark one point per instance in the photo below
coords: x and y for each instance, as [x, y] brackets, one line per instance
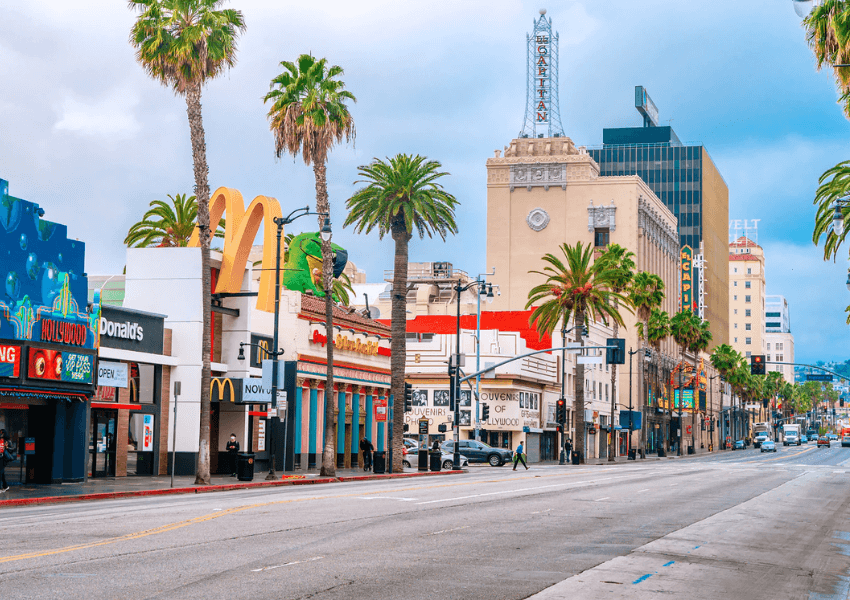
[232, 448]
[568, 448]
[366, 448]
[5, 457]
[518, 457]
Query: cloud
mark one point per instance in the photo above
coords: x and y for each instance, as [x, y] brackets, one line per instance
[111, 116]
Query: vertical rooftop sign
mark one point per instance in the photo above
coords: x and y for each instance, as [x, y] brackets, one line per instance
[542, 110]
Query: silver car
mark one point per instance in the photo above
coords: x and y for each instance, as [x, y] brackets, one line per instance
[411, 459]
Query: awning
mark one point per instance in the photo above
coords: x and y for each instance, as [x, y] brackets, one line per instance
[42, 395]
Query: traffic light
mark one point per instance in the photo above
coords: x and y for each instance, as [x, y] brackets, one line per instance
[408, 397]
[561, 411]
[615, 356]
[485, 412]
[757, 366]
[406, 427]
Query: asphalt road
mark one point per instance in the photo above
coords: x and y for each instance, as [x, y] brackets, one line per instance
[736, 525]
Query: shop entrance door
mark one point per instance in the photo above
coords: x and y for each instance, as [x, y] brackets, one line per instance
[102, 443]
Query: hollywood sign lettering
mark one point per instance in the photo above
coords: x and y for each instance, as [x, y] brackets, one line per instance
[542, 80]
[60, 332]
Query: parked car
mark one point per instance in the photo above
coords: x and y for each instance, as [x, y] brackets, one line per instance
[410, 459]
[739, 445]
[479, 452]
[823, 441]
[768, 446]
[804, 439]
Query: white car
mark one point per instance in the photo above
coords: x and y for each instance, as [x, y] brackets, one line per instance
[411, 459]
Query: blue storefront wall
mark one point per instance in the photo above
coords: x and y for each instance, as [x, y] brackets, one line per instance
[46, 317]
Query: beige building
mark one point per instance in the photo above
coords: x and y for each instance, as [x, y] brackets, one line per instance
[746, 297]
[779, 341]
[546, 191]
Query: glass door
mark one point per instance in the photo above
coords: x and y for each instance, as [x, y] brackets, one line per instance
[102, 443]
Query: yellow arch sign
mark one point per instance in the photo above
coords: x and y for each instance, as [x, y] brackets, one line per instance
[240, 231]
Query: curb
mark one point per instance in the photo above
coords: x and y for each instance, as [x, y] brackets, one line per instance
[228, 487]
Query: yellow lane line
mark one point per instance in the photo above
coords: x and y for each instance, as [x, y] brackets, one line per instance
[208, 517]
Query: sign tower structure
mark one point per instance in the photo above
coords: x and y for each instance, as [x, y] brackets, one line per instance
[542, 108]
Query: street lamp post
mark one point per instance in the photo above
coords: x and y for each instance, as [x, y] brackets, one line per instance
[278, 352]
[488, 293]
[454, 366]
[711, 412]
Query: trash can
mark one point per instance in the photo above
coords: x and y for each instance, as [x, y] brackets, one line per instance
[423, 460]
[661, 452]
[436, 460]
[245, 466]
[632, 454]
[576, 457]
[379, 462]
[691, 450]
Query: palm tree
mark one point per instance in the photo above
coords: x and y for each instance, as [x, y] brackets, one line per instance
[402, 195]
[168, 225]
[184, 44]
[828, 35]
[645, 294]
[578, 288]
[685, 331]
[309, 115]
[700, 342]
[621, 261]
[834, 185]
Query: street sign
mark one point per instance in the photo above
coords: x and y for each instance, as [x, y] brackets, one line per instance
[281, 400]
[423, 426]
[818, 377]
[271, 413]
[590, 360]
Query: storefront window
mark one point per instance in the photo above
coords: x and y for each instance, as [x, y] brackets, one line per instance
[140, 444]
[14, 421]
[141, 383]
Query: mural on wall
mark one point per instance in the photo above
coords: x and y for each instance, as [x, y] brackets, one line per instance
[303, 268]
[45, 287]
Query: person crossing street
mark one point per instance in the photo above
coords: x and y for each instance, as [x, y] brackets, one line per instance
[518, 457]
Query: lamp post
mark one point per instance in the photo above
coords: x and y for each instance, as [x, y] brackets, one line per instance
[647, 357]
[711, 411]
[454, 365]
[277, 352]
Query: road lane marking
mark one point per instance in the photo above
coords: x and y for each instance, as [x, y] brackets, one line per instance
[528, 489]
[643, 490]
[386, 498]
[601, 499]
[289, 564]
[448, 530]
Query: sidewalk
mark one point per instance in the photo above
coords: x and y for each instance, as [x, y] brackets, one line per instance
[127, 487]
[617, 460]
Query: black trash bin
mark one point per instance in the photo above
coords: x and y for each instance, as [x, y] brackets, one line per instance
[379, 462]
[632, 454]
[576, 457]
[245, 466]
[661, 452]
[436, 459]
[691, 450]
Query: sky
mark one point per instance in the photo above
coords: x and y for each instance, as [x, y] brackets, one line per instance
[88, 136]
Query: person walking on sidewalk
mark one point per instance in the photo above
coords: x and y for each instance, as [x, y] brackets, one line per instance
[5, 456]
[232, 448]
[366, 448]
[518, 457]
[568, 449]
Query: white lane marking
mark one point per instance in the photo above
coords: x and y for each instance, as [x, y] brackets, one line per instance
[448, 530]
[295, 562]
[644, 490]
[842, 472]
[537, 512]
[385, 498]
[601, 499]
[528, 489]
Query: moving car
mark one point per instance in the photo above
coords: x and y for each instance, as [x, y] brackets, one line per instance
[739, 445]
[760, 438]
[768, 446]
[480, 452]
[831, 436]
[804, 439]
[410, 459]
[823, 441]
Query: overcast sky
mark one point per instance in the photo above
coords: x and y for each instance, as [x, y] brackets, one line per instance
[91, 139]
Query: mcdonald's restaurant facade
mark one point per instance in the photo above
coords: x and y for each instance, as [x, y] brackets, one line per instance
[167, 281]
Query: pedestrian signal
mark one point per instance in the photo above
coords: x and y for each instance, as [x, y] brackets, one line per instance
[408, 397]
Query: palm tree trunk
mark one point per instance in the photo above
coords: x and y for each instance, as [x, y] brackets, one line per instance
[323, 206]
[578, 416]
[645, 384]
[398, 351]
[612, 443]
[202, 191]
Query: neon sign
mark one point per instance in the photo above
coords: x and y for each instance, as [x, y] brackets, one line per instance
[542, 78]
[687, 278]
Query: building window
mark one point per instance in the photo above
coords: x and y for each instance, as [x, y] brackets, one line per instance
[780, 358]
[748, 298]
[768, 347]
[735, 297]
[736, 326]
[774, 324]
[736, 269]
[779, 346]
[748, 341]
[748, 284]
[748, 326]
[734, 284]
[748, 312]
[748, 353]
[749, 271]
[735, 311]
[601, 237]
[767, 358]
[736, 340]
[419, 337]
[772, 314]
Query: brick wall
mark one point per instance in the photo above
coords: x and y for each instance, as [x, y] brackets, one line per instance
[165, 409]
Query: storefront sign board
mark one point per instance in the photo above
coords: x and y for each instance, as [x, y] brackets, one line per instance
[255, 391]
[10, 361]
[147, 433]
[261, 436]
[380, 411]
[60, 366]
[126, 329]
[112, 374]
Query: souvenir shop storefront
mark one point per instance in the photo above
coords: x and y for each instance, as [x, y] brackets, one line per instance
[48, 344]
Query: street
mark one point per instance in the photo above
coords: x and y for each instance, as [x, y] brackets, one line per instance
[741, 524]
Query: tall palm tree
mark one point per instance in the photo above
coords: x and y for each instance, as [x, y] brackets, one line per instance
[576, 288]
[659, 330]
[621, 262]
[725, 359]
[168, 225]
[699, 343]
[828, 34]
[401, 195]
[184, 44]
[684, 329]
[645, 294]
[834, 185]
[309, 115]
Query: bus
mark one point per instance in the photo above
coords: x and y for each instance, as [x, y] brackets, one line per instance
[845, 437]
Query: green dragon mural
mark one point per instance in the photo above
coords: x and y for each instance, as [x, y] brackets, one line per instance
[303, 267]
